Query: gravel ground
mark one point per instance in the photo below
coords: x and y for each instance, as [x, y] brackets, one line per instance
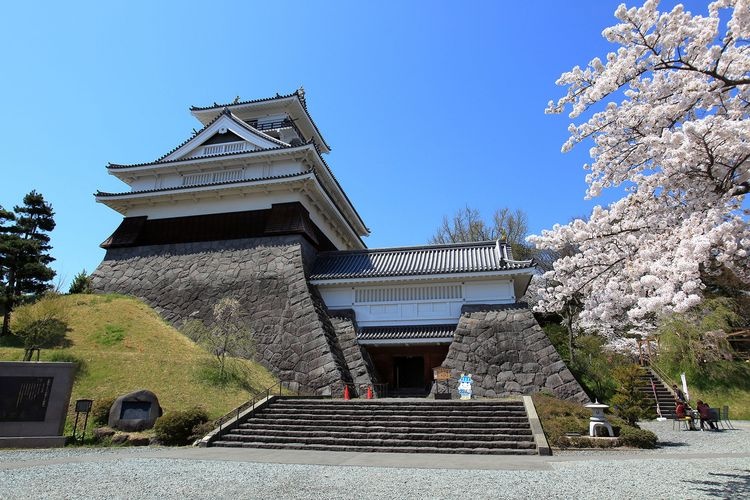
[690, 465]
[689, 442]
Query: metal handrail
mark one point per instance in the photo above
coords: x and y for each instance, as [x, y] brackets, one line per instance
[664, 378]
[256, 398]
[379, 390]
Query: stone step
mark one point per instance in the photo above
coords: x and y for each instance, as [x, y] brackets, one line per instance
[341, 419]
[391, 403]
[378, 449]
[393, 442]
[377, 412]
[387, 425]
[397, 401]
[458, 429]
[378, 434]
[365, 422]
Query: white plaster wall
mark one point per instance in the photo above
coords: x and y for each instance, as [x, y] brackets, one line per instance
[489, 292]
[408, 313]
[337, 297]
[412, 312]
[251, 171]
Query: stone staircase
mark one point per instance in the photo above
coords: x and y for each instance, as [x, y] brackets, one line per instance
[387, 425]
[663, 394]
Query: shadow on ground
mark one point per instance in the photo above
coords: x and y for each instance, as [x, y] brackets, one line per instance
[671, 444]
[736, 484]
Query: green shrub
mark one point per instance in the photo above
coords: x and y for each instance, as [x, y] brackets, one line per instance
[592, 364]
[48, 332]
[111, 335]
[66, 357]
[637, 438]
[100, 411]
[630, 403]
[584, 442]
[41, 324]
[81, 283]
[180, 428]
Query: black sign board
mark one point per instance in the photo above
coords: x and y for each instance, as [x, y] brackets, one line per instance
[135, 410]
[24, 399]
[84, 405]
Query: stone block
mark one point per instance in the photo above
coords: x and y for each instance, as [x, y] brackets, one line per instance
[512, 386]
[530, 367]
[135, 411]
[525, 379]
[553, 381]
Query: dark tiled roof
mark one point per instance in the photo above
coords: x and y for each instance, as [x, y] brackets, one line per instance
[179, 188]
[478, 257]
[220, 155]
[296, 93]
[408, 332]
[240, 103]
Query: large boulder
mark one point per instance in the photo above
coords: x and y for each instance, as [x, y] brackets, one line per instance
[136, 411]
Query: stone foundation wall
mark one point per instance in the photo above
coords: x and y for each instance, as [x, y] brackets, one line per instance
[506, 352]
[293, 336]
[357, 360]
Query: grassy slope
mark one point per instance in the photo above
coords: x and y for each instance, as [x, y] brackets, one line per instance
[738, 400]
[722, 383]
[151, 355]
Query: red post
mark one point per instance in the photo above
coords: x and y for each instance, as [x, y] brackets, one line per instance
[347, 396]
[369, 392]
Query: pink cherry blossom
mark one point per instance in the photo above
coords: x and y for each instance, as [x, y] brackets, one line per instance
[667, 114]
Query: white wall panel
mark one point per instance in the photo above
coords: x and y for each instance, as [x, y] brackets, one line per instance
[430, 303]
[488, 292]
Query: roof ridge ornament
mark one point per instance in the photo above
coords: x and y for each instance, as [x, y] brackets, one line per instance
[301, 94]
[500, 249]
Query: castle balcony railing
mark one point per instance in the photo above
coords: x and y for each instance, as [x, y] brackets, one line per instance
[274, 125]
[213, 177]
[227, 147]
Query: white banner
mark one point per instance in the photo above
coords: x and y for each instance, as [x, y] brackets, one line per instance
[684, 386]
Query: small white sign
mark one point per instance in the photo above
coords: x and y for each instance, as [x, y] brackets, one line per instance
[464, 386]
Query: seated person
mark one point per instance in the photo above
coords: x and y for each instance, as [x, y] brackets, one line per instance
[683, 412]
[705, 412]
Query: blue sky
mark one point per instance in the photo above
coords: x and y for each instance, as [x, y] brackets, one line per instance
[427, 107]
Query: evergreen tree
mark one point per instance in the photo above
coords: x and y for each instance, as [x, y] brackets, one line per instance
[24, 252]
[81, 283]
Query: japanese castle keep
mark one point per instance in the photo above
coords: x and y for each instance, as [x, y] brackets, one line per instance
[248, 207]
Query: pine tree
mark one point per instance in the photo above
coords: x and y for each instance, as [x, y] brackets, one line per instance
[81, 283]
[24, 252]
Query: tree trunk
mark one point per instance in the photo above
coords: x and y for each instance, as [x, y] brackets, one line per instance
[9, 292]
[6, 323]
[569, 326]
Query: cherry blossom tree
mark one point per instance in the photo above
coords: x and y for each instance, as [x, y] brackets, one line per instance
[667, 114]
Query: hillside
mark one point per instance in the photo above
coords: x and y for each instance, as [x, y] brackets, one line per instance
[126, 346]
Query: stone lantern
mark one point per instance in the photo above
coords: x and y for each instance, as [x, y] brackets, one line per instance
[598, 418]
